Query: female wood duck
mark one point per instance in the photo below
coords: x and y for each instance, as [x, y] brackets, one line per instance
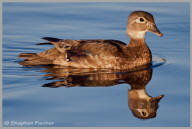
[107, 54]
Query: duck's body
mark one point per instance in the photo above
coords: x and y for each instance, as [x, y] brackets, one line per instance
[111, 54]
[107, 54]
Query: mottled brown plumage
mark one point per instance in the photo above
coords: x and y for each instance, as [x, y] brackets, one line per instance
[110, 54]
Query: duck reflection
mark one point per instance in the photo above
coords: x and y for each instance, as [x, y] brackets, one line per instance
[142, 105]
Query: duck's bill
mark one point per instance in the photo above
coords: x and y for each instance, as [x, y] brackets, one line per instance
[155, 30]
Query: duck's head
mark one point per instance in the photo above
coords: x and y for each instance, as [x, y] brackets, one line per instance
[140, 22]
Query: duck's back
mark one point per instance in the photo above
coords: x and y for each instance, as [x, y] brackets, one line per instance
[105, 48]
[83, 54]
[95, 54]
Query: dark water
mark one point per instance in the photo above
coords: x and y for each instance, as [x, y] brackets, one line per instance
[54, 96]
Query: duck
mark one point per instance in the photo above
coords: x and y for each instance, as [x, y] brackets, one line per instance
[100, 53]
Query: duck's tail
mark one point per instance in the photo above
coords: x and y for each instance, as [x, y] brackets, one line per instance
[27, 55]
[44, 58]
[31, 59]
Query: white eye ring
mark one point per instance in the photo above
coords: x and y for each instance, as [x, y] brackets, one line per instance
[140, 20]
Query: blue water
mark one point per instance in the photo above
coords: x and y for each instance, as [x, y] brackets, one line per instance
[29, 96]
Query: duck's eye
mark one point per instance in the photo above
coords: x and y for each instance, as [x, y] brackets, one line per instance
[144, 113]
[141, 19]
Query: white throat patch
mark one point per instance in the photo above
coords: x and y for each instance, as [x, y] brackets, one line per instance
[137, 34]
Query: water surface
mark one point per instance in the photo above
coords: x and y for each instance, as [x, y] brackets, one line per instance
[63, 97]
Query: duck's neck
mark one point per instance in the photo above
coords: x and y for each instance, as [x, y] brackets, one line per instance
[137, 42]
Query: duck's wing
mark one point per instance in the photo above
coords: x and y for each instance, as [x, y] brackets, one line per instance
[79, 51]
[60, 44]
[93, 47]
[102, 47]
[51, 40]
